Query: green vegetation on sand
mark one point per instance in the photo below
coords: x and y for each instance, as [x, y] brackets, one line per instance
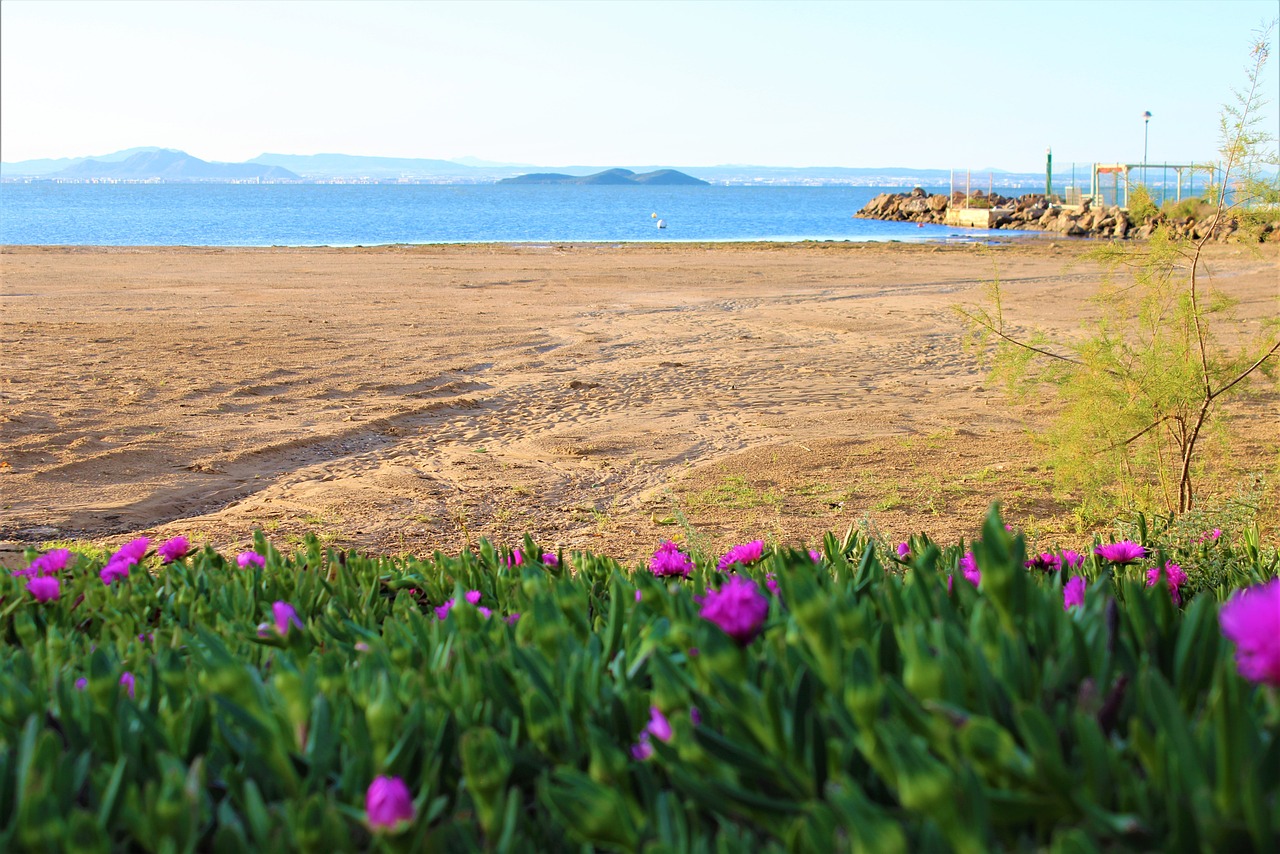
[858, 698]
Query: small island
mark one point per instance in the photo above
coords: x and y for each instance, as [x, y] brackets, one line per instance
[614, 177]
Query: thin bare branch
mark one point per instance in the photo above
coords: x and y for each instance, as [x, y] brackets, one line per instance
[1239, 377]
[1025, 346]
[1136, 436]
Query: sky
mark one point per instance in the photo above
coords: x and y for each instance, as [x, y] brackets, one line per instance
[961, 85]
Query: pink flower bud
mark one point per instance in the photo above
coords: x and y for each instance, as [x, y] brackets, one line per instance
[387, 803]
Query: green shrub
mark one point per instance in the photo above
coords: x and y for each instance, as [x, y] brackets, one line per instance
[1194, 207]
[1141, 207]
[879, 706]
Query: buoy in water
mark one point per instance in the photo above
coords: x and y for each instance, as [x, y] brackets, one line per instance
[653, 216]
[919, 225]
[662, 223]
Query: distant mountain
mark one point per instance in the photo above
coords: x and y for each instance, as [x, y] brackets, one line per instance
[470, 170]
[328, 166]
[488, 164]
[169, 165]
[32, 168]
[662, 177]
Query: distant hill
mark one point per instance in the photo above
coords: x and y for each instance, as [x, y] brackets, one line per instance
[469, 170]
[615, 177]
[168, 165]
[46, 166]
[328, 166]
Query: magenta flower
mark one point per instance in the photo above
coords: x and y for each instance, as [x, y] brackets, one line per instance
[133, 551]
[512, 618]
[695, 716]
[387, 804]
[1251, 620]
[639, 595]
[285, 616]
[442, 611]
[114, 571]
[1173, 574]
[127, 680]
[82, 683]
[1122, 552]
[1045, 562]
[969, 566]
[1073, 593]
[484, 612]
[815, 555]
[669, 560]
[248, 559]
[44, 588]
[1210, 535]
[659, 727]
[126, 556]
[473, 596]
[1072, 560]
[48, 563]
[745, 554]
[771, 581]
[738, 608]
[517, 559]
[174, 549]
[903, 550]
[54, 561]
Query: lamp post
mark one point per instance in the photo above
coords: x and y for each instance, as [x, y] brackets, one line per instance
[1048, 174]
[1146, 125]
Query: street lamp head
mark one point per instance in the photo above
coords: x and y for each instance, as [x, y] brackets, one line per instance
[1146, 117]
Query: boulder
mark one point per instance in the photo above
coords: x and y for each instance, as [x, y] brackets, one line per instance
[914, 205]
[1122, 225]
[918, 192]
[938, 203]
[879, 204]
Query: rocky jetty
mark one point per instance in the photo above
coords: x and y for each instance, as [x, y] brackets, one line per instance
[1031, 212]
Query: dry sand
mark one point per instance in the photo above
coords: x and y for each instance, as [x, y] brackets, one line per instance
[406, 399]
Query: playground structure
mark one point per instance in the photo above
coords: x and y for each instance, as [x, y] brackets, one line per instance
[1098, 191]
[1187, 179]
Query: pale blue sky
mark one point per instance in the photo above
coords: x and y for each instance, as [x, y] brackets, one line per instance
[923, 84]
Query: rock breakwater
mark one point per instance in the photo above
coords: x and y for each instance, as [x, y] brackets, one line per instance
[1032, 212]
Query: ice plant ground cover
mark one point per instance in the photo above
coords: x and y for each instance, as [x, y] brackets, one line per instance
[845, 700]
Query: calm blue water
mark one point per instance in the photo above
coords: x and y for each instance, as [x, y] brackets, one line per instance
[351, 215]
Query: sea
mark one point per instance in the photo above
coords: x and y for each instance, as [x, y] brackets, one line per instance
[174, 214]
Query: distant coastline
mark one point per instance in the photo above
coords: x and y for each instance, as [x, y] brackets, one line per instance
[150, 165]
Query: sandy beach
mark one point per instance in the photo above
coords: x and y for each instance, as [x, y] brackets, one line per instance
[604, 397]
